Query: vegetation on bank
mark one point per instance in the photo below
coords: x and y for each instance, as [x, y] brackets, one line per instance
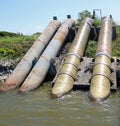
[15, 45]
[92, 45]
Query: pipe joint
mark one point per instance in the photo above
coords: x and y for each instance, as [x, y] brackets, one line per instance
[71, 64]
[103, 64]
[78, 56]
[67, 73]
[103, 53]
[102, 74]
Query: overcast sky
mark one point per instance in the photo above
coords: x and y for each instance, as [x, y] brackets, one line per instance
[30, 16]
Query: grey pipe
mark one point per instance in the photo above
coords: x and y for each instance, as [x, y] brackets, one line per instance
[38, 73]
[24, 67]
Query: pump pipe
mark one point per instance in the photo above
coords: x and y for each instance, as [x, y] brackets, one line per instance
[100, 81]
[67, 75]
[38, 73]
[24, 67]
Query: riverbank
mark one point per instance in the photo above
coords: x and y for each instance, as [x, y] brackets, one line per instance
[13, 48]
[6, 68]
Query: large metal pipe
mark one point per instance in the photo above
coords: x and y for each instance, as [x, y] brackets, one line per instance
[100, 82]
[38, 73]
[67, 76]
[24, 67]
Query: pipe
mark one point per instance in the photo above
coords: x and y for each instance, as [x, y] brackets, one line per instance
[38, 73]
[100, 82]
[67, 76]
[24, 67]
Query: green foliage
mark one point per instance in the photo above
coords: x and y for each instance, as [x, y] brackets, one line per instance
[9, 34]
[96, 22]
[91, 49]
[116, 46]
[14, 47]
[92, 46]
[84, 14]
[118, 30]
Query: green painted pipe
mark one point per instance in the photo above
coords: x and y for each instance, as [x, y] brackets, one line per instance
[100, 82]
[67, 76]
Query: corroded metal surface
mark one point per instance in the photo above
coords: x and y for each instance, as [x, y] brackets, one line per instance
[24, 67]
[67, 76]
[38, 73]
[101, 78]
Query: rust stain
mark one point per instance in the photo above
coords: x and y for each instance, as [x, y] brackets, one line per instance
[41, 41]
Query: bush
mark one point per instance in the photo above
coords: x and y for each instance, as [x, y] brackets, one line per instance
[91, 49]
[14, 47]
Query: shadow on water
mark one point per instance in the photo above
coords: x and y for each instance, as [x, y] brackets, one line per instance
[38, 109]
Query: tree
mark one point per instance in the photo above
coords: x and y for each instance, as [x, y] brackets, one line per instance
[86, 13]
[83, 14]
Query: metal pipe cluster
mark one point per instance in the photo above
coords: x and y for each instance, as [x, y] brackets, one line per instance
[67, 75]
[100, 82]
[24, 67]
[39, 72]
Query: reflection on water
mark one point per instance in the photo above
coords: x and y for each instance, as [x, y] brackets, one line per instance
[37, 109]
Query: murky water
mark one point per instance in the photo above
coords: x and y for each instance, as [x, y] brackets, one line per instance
[74, 109]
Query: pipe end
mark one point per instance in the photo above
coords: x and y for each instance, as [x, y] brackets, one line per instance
[94, 98]
[2, 90]
[53, 96]
[108, 18]
[6, 87]
[88, 20]
[21, 92]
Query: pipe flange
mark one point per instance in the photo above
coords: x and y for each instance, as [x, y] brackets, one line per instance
[78, 56]
[102, 74]
[74, 77]
[103, 64]
[103, 53]
[71, 64]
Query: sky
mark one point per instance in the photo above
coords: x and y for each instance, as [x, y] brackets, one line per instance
[31, 16]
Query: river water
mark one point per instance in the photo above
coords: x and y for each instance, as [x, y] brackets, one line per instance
[75, 109]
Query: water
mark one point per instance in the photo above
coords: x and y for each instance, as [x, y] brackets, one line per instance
[74, 109]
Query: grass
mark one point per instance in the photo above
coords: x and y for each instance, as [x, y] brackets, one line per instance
[15, 47]
[91, 49]
[92, 46]
[116, 47]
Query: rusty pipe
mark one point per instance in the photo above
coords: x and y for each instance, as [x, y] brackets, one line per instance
[100, 82]
[67, 75]
[38, 73]
[25, 65]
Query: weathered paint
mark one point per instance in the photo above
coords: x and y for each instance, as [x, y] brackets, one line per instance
[67, 75]
[24, 67]
[38, 73]
[100, 82]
